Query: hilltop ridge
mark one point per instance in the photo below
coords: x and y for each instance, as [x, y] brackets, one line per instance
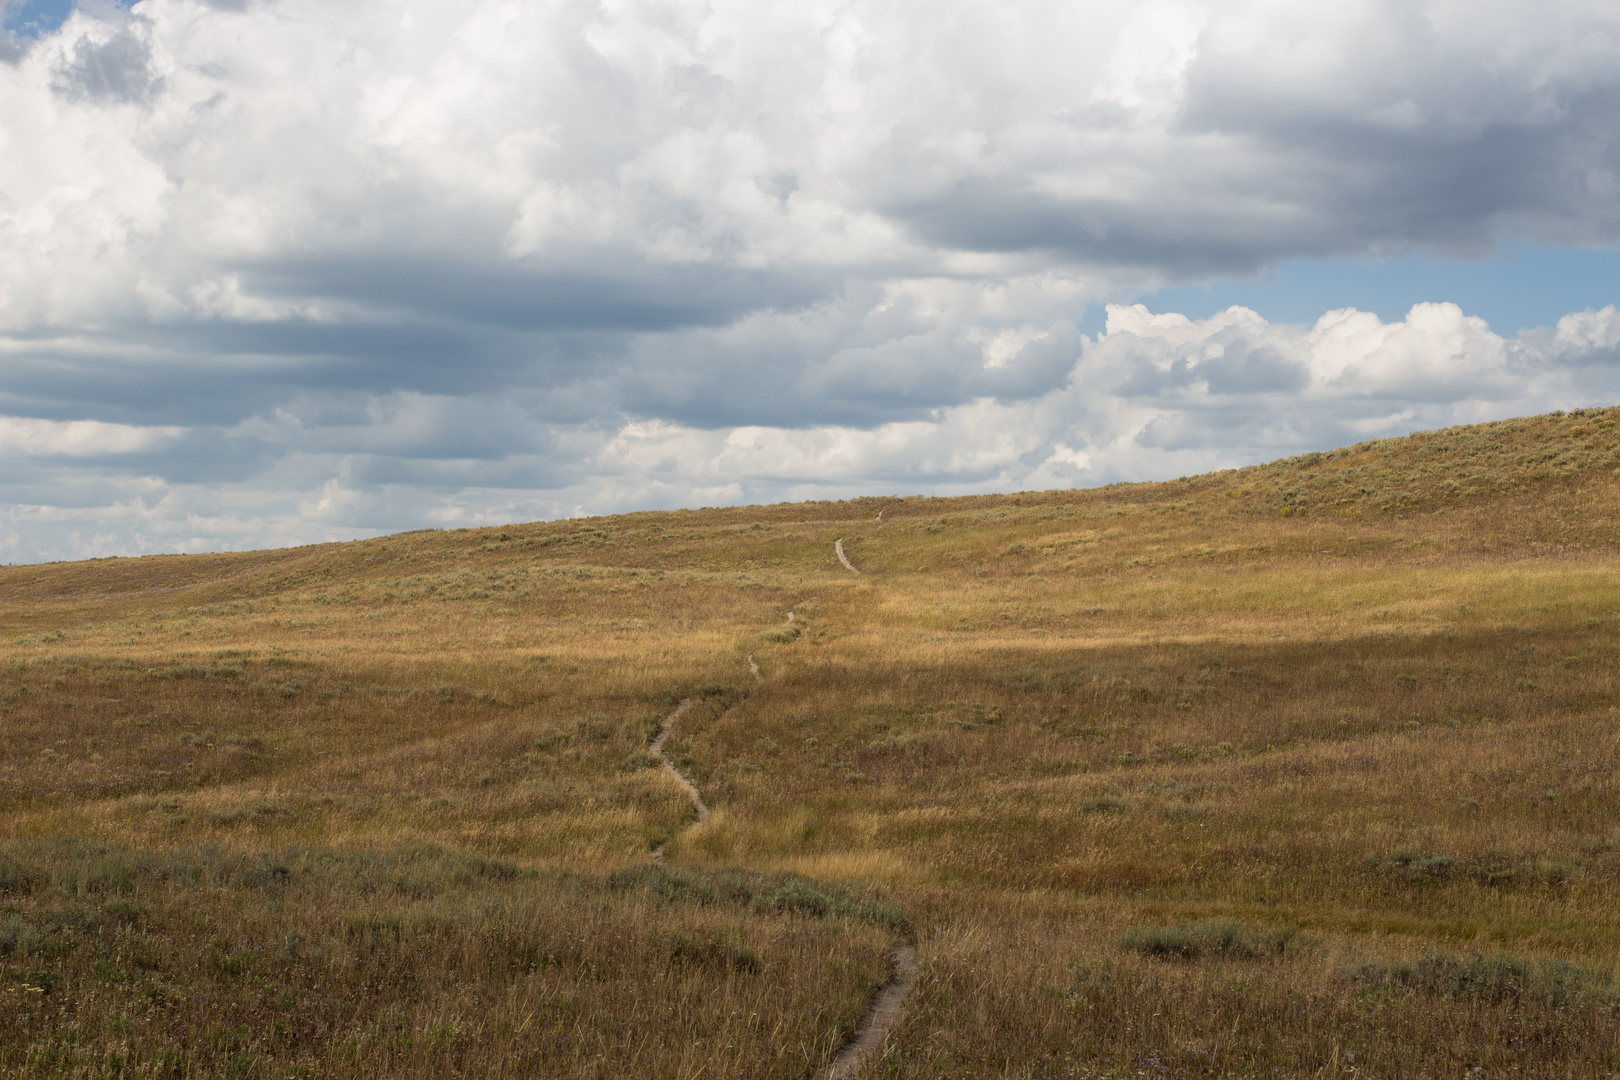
[1546, 479]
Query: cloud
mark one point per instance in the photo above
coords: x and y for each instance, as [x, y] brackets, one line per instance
[77, 438]
[378, 263]
[114, 69]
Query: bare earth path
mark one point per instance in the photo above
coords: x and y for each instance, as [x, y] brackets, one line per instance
[669, 767]
[838, 546]
[874, 1026]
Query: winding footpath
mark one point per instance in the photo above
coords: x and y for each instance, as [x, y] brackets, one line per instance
[838, 546]
[680, 777]
[885, 1008]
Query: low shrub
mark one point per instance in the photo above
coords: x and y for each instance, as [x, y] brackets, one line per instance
[1493, 979]
[765, 893]
[716, 949]
[1418, 866]
[907, 743]
[256, 810]
[1214, 939]
[13, 878]
[637, 760]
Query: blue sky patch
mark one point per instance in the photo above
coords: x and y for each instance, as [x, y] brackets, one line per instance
[1525, 287]
[35, 18]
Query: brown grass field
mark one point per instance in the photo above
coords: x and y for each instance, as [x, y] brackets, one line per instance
[1310, 769]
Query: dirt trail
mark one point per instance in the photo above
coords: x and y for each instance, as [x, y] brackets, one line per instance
[680, 777]
[874, 1028]
[880, 1017]
[838, 546]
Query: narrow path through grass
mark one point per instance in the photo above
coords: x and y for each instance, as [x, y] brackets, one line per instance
[838, 546]
[669, 767]
[879, 1019]
[885, 1009]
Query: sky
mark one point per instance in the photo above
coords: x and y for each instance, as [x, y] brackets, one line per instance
[277, 272]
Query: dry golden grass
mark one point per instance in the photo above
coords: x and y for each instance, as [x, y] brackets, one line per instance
[411, 961]
[1367, 699]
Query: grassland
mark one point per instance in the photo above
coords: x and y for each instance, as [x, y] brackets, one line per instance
[1307, 769]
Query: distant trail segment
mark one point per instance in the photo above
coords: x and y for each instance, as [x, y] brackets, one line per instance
[875, 1026]
[680, 778]
[838, 546]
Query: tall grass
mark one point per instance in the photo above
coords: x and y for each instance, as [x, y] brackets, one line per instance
[408, 961]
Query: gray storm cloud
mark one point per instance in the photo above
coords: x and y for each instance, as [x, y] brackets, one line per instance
[279, 271]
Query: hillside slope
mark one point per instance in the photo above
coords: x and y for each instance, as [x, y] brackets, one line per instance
[1310, 767]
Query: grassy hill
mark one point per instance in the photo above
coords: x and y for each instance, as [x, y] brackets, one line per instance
[1310, 768]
